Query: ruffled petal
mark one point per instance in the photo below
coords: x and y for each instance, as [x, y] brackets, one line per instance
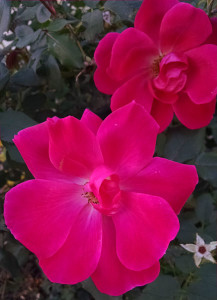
[111, 277]
[127, 139]
[201, 85]
[91, 120]
[170, 180]
[127, 93]
[149, 226]
[132, 52]
[33, 145]
[39, 213]
[183, 27]
[192, 115]
[73, 147]
[162, 113]
[150, 15]
[79, 256]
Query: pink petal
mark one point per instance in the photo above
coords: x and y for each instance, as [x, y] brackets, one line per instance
[127, 139]
[183, 27]
[149, 226]
[150, 15]
[170, 180]
[132, 52]
[91, 120]
[104, 83]
[127, 93]
[40, 213]
[111, 277]
[193, 115]
[33, 145]
[102, 54]
[212, 39]
[73, 147]
[202, 76]
[79, 256]
[162, 113]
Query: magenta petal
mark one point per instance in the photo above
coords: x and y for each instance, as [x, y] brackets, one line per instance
[150, 15]
[127, 139]
[91, 120]
[201, 85]
[79, 256]
[162, 113]
[134, 89]
[212, 39]
[149, 226]
[39, 213]
[193, 115]
[33, 145]
[104, 82]
[132, 52]
[73, 147]
[113, 278]
[170, 180]
[184, 27]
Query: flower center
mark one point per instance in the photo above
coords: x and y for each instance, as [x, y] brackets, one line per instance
[91, 197]
[202, 249]
[156, 66]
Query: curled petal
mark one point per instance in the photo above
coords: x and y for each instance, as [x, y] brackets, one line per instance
[91, 120]
[111, 276]
[149, 226]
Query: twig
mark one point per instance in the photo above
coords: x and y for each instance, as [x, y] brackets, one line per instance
[49, 7]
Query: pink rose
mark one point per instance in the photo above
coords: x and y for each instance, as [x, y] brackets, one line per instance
[162, 63]
[100, 205]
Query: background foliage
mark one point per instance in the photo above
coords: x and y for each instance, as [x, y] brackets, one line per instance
[46, 69]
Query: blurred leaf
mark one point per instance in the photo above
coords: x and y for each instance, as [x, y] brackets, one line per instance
[27, 14]
[187, 231]
[205, 287]
[93, 21]
[54, 75]
[24, 34]
[204, 207]
[185, 263]
[9, 262]
[42, 14]
[91, 3]
[5, 13]
[58, 25]
[206, 165]
[121, 8]
[13, 153]
[65, 50]
[183, 144]
[4, 76]
[164, 287]
[11, 122]
[213, 125]
[25, 77]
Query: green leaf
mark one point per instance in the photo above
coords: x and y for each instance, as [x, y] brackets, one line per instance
[24, 34]
[205, 287]
[4, 76]
[206, 165]
[58, 25]
[121, 8]
[11, 122]
[91, 3]
[54, 75]
[27, 14]
[93, 21]
[183, 144]
[13, 153]
[213, 125]
[204, 207]
[185, 263]
[5, 13]
[25, 77]
[164, 287]
[65, 50]
[42, 14]
[9, 263]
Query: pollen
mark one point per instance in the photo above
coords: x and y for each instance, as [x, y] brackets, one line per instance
[91, 197]
[156, 66]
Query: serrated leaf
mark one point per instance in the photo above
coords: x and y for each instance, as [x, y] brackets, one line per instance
[42, 14]
[206, 165]
[93, 21]
[11, 122]
[5, 13]
[4, 76]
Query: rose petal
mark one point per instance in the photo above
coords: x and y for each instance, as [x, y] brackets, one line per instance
[127, 93]
[193, 115]
[73, 147]
[127, 139]
[183, 27]
[150, 15]
[170, 180]
[201, 85]
[111, 277]
[79, 256]
[39, 213]
[162, 113]
[212, 39]
[91, 120]
[149, 226]
[104, 83]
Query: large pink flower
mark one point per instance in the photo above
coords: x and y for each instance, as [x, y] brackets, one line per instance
[100, 205]
[163, 63]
